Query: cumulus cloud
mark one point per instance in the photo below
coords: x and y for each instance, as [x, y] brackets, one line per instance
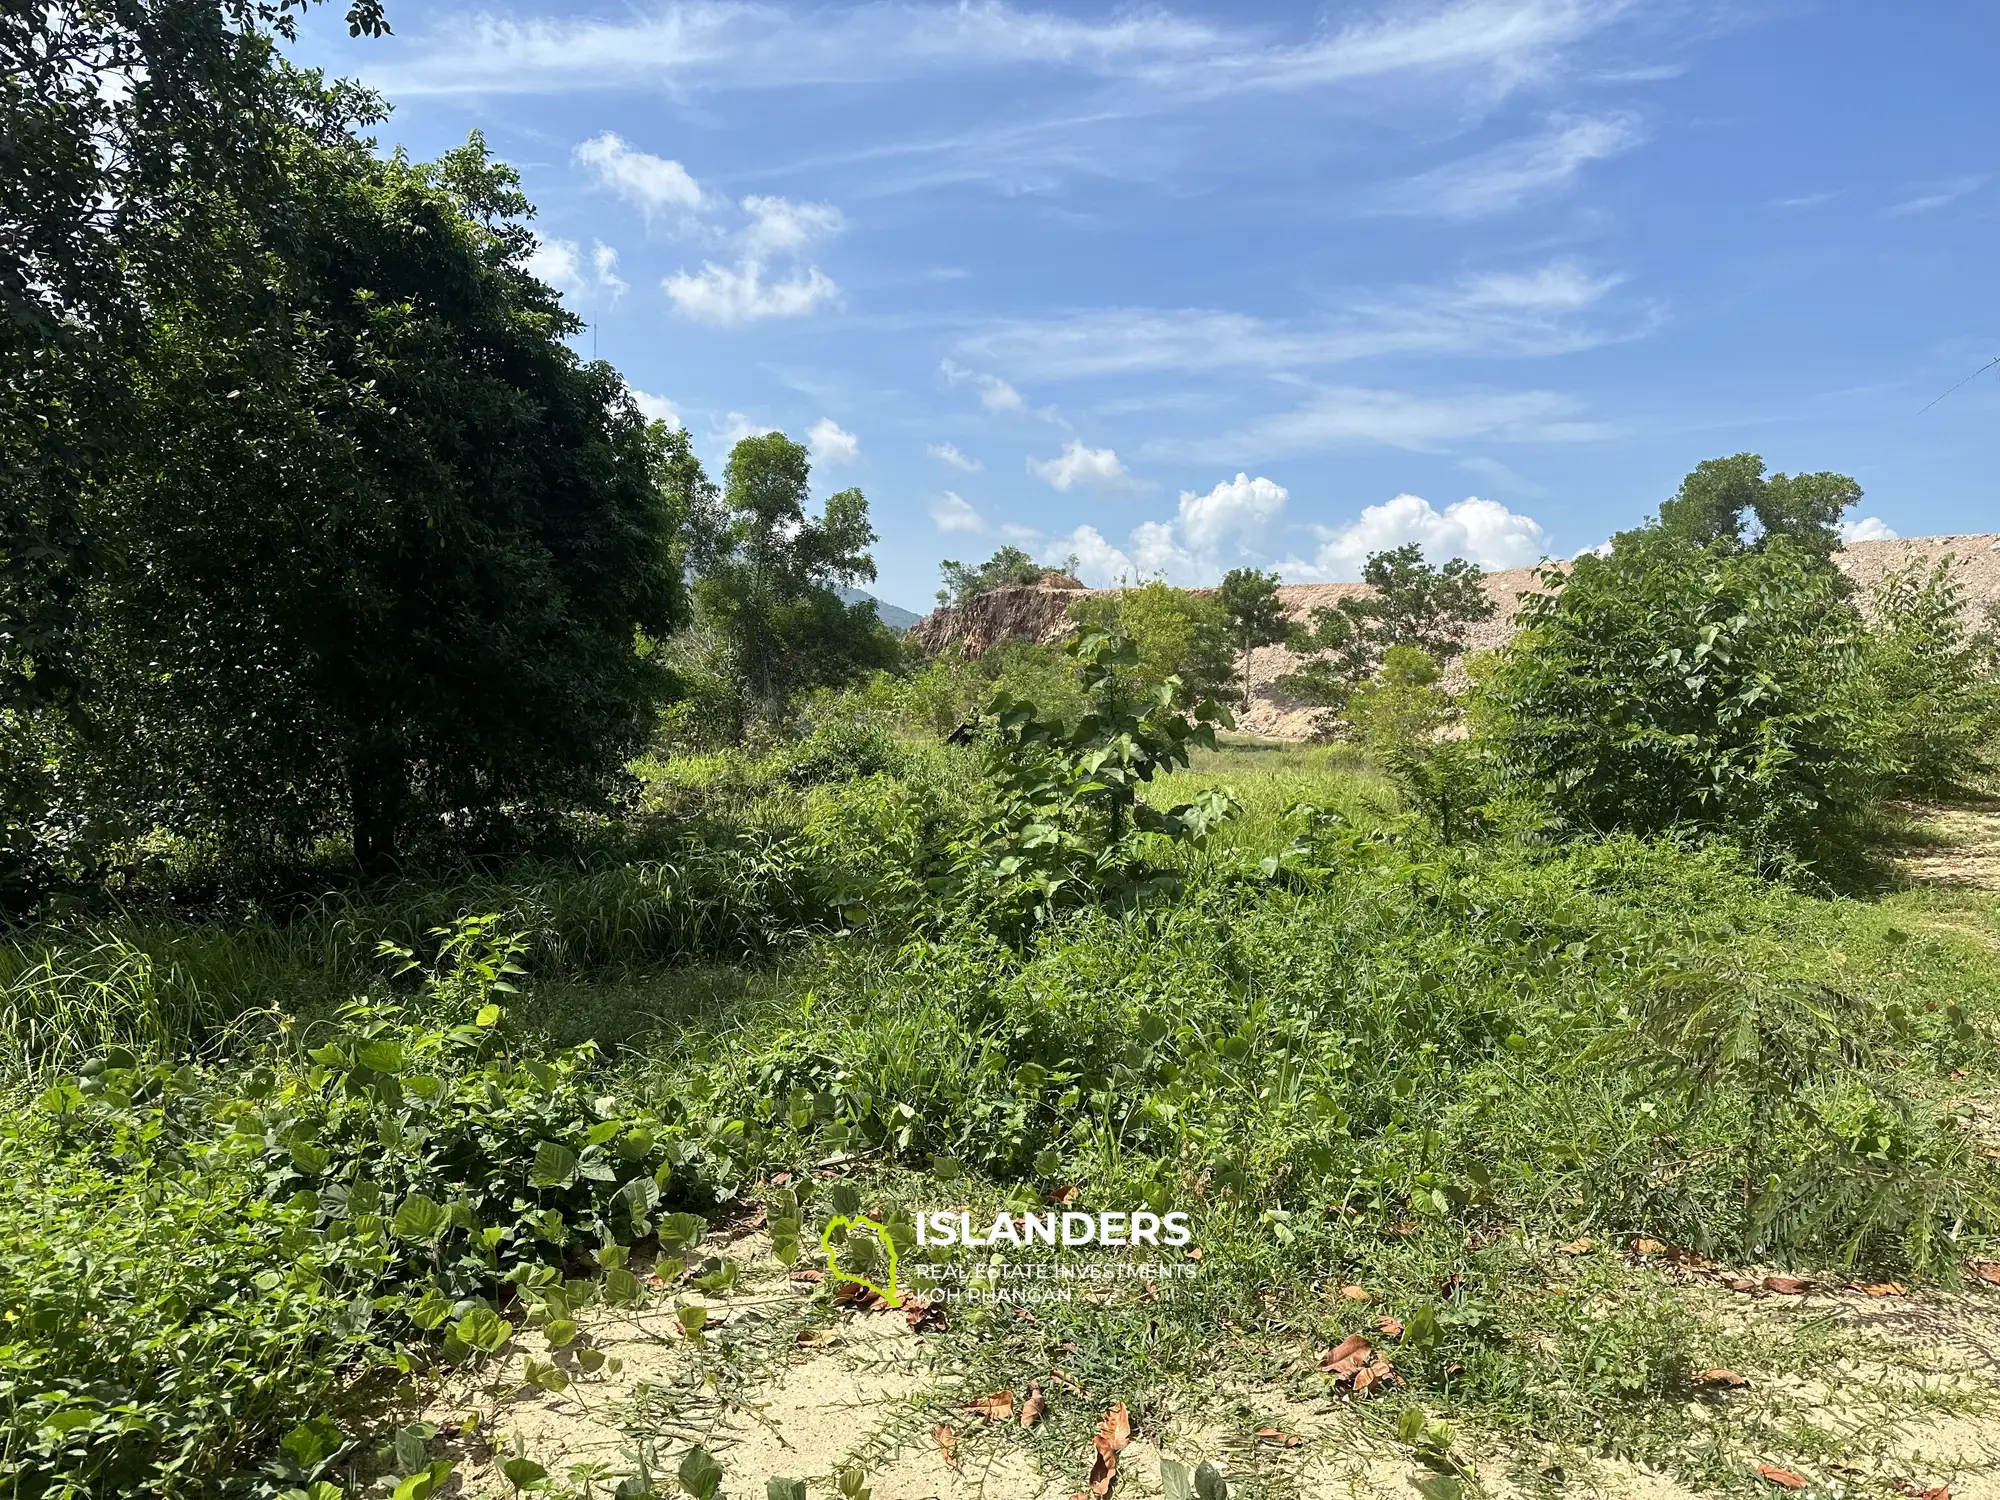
[952, 512]
[832, 444]
[948, 453]
[730, 295]
[1094, 468]
[657, 409]
[1098, 563]
[1482, 531]
[748, 290]
[994, 393]
[1238, 509]
[651, 183]
[1867, 529]
[562, 264]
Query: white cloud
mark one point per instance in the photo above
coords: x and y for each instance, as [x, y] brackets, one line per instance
[1482, 531]
[951, 512]
[831, 444]
[1238, 509]
[948, 453]
[780, 225]
[651, 183]
[560, 263]
[728, 295]
[1096, 468]
[1536, 312]
[1510, 175]
[1098, 563]
[994, 393]
[1346, 416]
[1167, 60]
[657, 409]
[1935, 195]
[732, 295]
[1867, 529]
[734, 429]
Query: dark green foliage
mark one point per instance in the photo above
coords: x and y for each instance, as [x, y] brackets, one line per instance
[396, 563]
[1936, 685]
[1724, 495]
[1256, 616]
[1009, 568]
[1670, 685]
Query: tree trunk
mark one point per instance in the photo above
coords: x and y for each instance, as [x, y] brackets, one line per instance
[377, 786]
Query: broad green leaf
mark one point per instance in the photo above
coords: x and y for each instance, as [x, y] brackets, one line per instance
[700, 1475]
[425, 1485]
[484, 1329]
[312, 1442]
[420, 1220]
[555, 1166]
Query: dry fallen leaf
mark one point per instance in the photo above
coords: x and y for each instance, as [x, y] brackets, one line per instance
[1720, 1377]
[1274, 1435]
[1355, 1293]
[1936, 1492]
[818, 1338]
[947, 1442]
[924, 1316]
[998, 1407]
[1194, 1252]
[1647, 1247]
[1578, 1246]
[1879, 1288]
[1060, 1196]
[1784, 1479]
[1986, 1270]
[1392, 1327]
[1347, 1356]
[1034, 1406]
[1786, 1286]
[1113, 1433]
[808, 1275]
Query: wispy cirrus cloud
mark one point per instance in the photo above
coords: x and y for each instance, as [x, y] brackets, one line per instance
[1513, 174]
[1931, 196]
[1174, 59]
[1336, 417]
[1495, 313]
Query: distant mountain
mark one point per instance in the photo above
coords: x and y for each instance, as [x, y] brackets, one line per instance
[889, 614]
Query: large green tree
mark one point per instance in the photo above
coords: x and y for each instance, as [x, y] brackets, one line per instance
[1724, 497]
[394, 548]
[770, 572]
[1256, 617]
[1408, 603]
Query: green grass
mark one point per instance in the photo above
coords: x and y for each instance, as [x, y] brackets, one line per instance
[1415, 1069]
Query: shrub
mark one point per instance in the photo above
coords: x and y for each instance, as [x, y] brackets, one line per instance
[1936, 684]
[1179, 634]
[1669, 686]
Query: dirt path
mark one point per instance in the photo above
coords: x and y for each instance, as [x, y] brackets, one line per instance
[1963, 851]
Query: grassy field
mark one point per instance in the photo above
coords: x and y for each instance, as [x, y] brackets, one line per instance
[1526, 1119]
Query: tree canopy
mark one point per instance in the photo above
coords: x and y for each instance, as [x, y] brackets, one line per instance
[1009, 568]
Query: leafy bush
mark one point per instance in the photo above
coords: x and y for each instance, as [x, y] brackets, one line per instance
[1069, 821]
[1936, 684]
[1178, 634]
[1672, 686]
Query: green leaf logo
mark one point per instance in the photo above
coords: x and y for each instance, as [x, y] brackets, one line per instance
[853, 1223]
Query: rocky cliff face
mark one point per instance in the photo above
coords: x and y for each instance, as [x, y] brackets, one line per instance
[1042, 614]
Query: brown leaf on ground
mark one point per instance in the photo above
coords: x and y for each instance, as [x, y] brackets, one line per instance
[1194, 1252]
[924, 1316]
[1061, 1195]
[808, 1275]
[1355, 1293]
[1720, 1377]
[1742, 1284]
[1648, 1247]
[1035, 1406]
[1406, 1229]
[1986, 1270]
[1022, 1315]
[1356, 1363]
[1936, 1492]
[947, 1442]
[1113, 1433]
[1149, 1291]
[1274, 1435]
[1578, 1246]
[1390, 1326]
[860, 1298]
[1784, 1479]
[1787, 1286]
[998, 1407]
[1878, 1288]
[818, 1338]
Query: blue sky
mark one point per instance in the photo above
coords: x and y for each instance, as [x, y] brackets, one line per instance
[1180, 288]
